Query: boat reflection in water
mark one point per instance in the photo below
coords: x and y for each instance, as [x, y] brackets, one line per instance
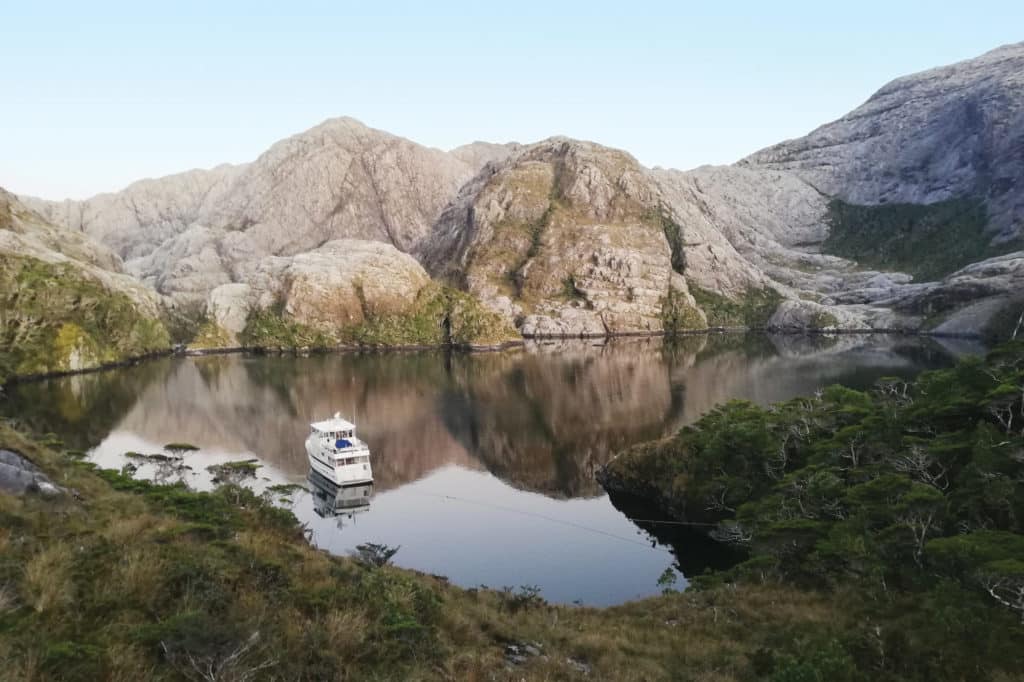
[341, 502]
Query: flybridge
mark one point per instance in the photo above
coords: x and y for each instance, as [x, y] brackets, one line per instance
[334, 424]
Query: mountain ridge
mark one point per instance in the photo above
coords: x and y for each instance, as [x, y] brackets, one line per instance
[567, 237]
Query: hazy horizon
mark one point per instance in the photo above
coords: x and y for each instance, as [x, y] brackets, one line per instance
[99, 97]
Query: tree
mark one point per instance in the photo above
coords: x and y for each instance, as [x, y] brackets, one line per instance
[1004, 581]
[234, 474]
[374, 555]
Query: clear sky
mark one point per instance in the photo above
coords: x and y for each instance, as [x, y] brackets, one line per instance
[95, 95]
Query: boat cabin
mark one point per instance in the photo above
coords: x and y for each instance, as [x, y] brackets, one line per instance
[335, 430]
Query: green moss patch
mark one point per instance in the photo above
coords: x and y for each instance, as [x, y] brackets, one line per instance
[753, 310]
[268, 328]
[211, 335]
[928, 241]
[677, 315]
[439, 316]
[54, 318]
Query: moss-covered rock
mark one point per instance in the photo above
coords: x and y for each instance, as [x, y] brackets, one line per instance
[752, 310]
[212, 336]
[56, 317]
[678, 315]
[268, 328]
[438, 316]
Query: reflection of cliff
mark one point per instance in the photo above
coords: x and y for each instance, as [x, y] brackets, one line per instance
[83, 408]
[769, 369]
[546, 418]
[264, 406]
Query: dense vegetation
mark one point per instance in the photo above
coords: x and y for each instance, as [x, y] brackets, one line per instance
[54, 318]
[439, 316]
[928, 241]
[906, 503]
[677, 315]
[752, 310]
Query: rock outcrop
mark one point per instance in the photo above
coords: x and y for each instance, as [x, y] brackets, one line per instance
[351, 291]
[19, 476]
[565, 238]
[65, 305]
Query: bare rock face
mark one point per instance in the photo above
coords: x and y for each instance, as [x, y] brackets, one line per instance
[229, 306]
[564, 237]
[343, 281]
[478, 154]
[147, 213]
[736, 225]
[340, 180]
[337, 286]
[949, 132]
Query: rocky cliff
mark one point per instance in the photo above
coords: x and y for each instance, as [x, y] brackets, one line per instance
[65, 303]
[565, 238]
[951, 132]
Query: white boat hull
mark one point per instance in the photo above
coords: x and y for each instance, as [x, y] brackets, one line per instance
[342, 467]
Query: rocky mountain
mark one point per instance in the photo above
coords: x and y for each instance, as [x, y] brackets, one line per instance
[905, 214]
[186, 234]
[952, 132]
[565, 238]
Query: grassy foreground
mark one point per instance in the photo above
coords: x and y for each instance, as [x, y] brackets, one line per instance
[125, 580]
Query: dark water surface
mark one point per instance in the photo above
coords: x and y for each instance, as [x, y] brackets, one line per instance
[484, 463]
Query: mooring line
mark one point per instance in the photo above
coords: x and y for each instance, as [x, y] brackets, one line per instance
[563, 522]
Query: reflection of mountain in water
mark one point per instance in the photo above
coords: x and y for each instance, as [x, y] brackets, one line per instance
[82, 408]
[546, 426]
[343, 503]
[541, 418]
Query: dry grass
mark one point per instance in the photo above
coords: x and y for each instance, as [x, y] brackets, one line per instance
[8, 598]
[138, 575]
[48, 580]
[130, 664]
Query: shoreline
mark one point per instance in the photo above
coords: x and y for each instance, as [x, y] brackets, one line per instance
[184, 351]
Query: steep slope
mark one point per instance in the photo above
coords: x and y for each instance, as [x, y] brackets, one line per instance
[951, 132]
[65, 305]
[146, 213]
[566, 238]
[924, 177]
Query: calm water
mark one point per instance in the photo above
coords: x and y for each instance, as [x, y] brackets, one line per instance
[483, 463]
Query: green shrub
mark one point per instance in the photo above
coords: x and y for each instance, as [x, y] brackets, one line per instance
[928, 241]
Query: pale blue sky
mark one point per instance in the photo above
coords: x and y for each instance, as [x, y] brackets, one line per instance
[96, 95]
